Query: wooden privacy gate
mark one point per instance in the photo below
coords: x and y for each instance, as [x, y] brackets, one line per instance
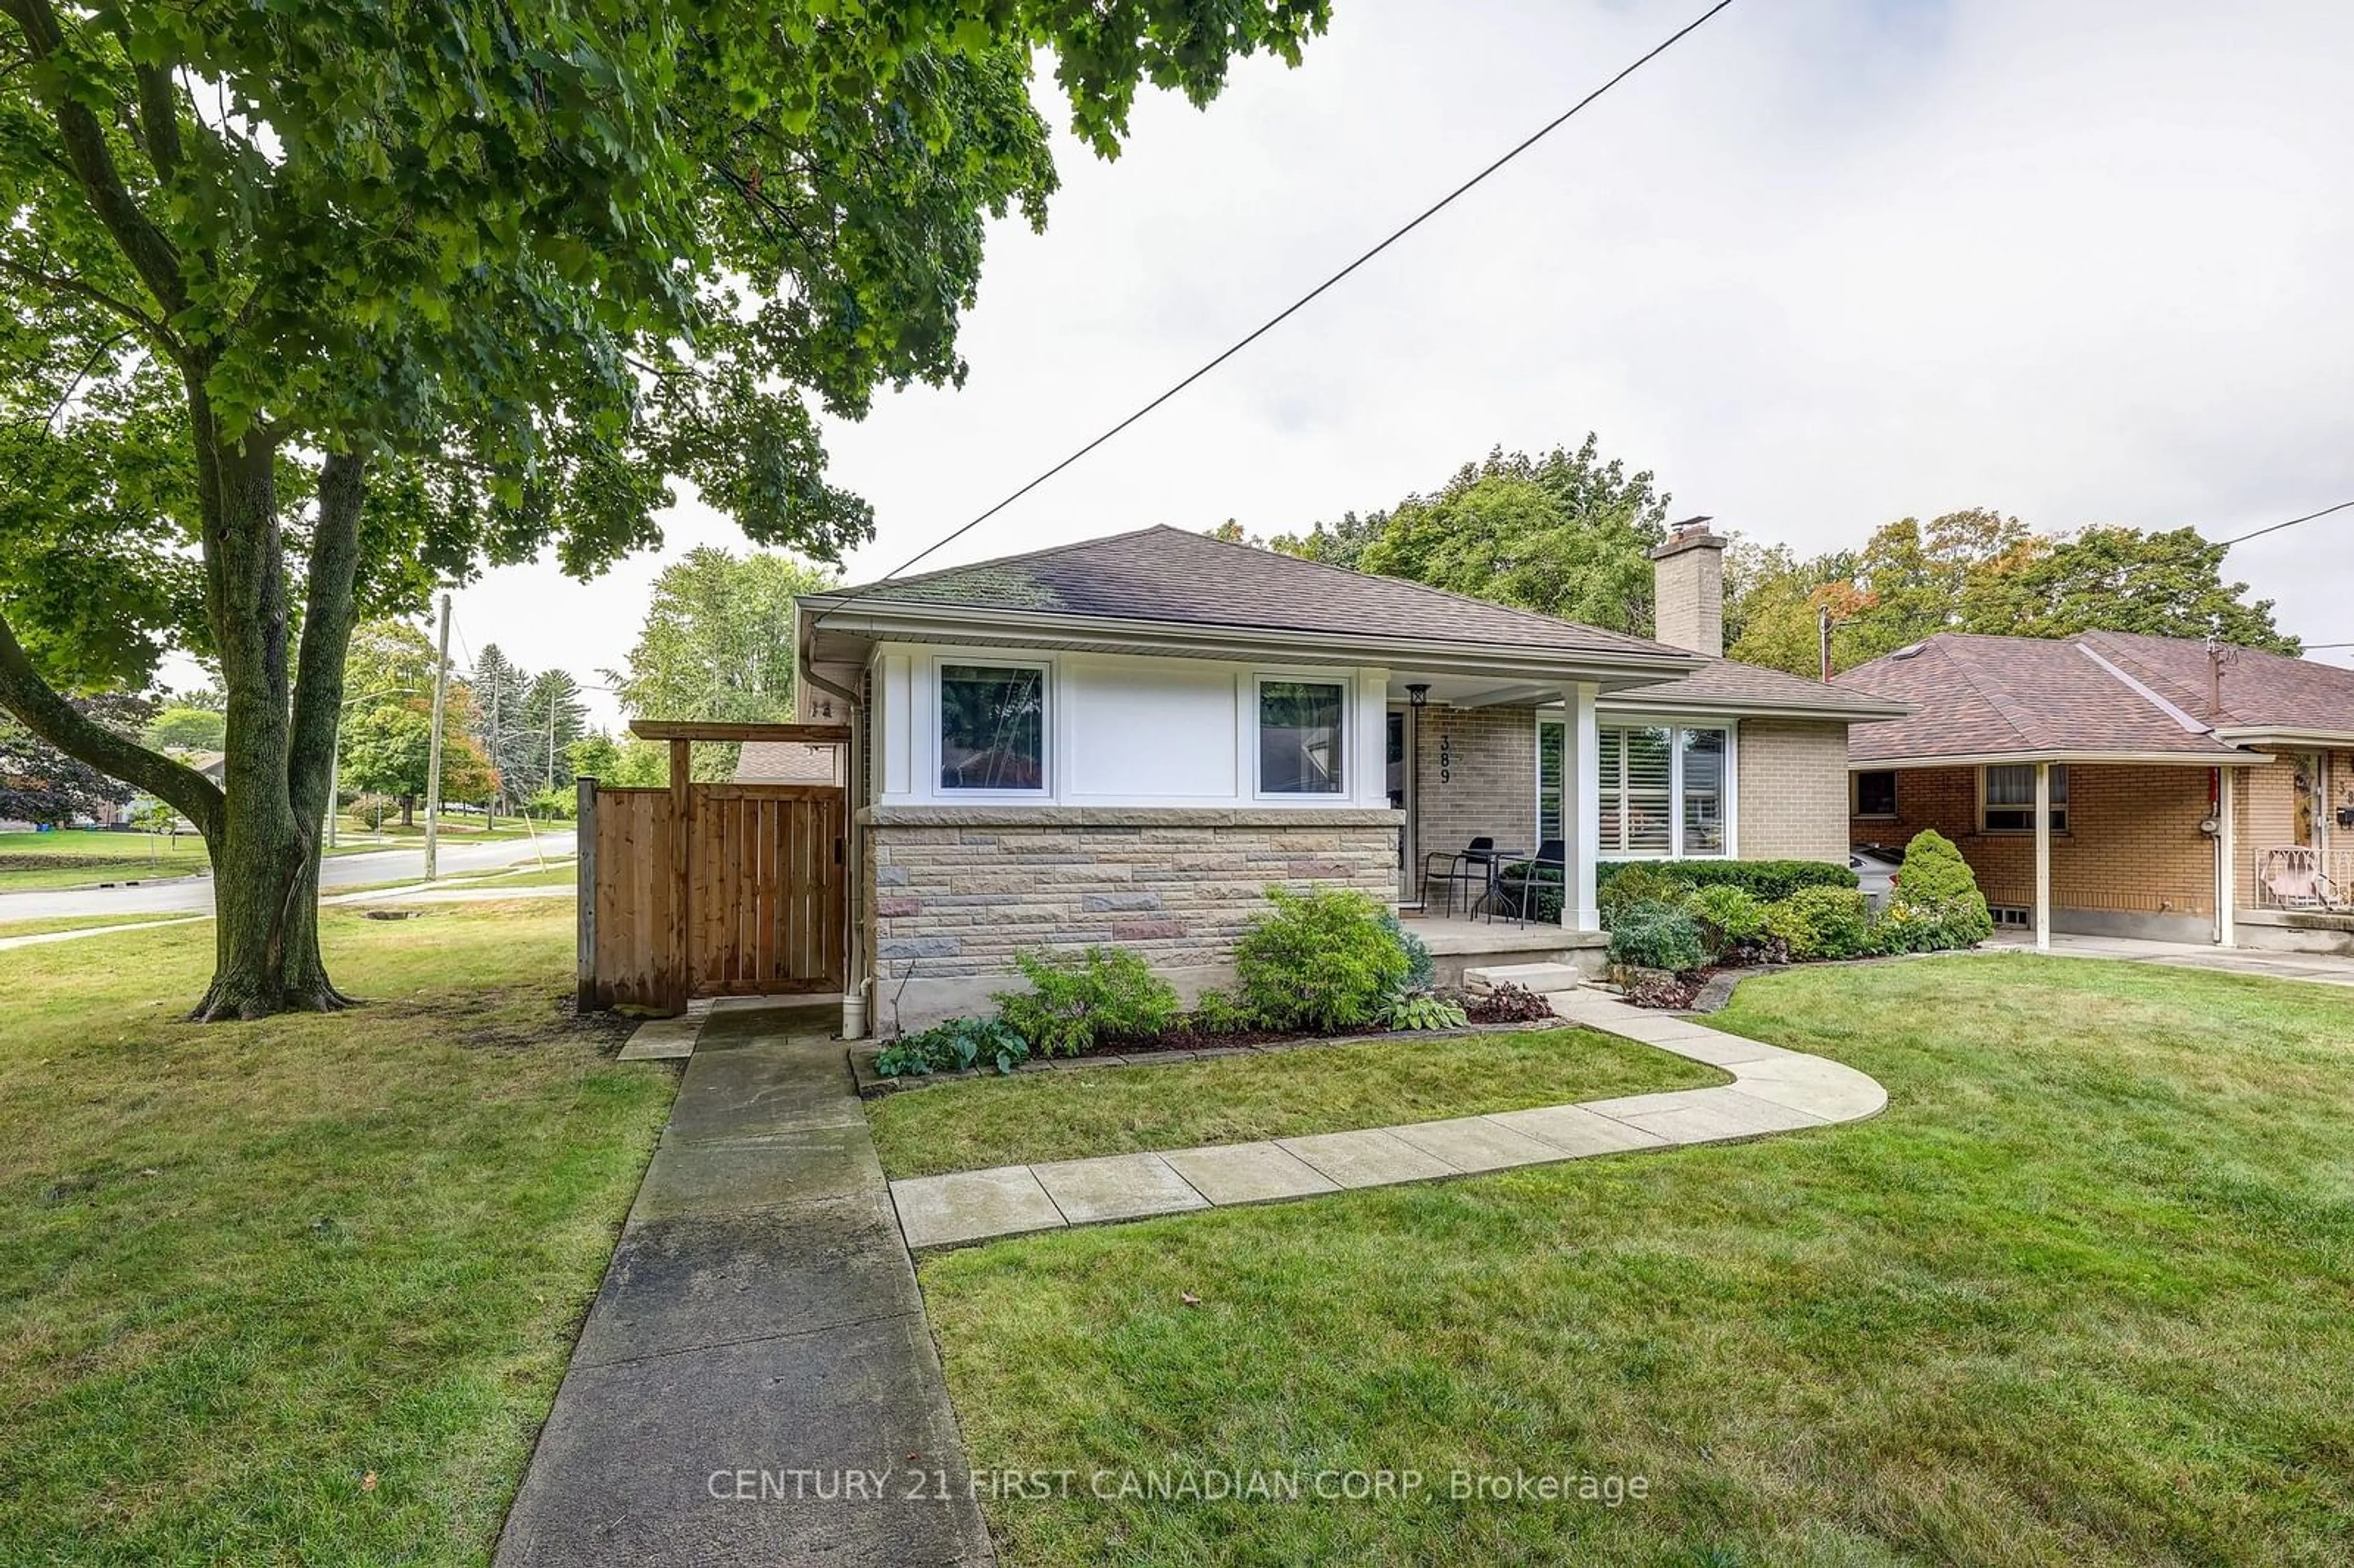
[710, 890]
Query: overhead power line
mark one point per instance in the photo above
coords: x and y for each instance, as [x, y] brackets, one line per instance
[1300, 304]
[2277, 528]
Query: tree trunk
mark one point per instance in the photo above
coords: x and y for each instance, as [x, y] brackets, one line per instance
[408, 811]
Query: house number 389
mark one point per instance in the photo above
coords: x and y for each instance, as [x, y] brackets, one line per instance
[1445, 759]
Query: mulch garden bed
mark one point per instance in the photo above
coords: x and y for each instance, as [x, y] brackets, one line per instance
[1489, 1015]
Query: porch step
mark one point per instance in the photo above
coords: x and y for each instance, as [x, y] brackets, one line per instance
[1538, 977]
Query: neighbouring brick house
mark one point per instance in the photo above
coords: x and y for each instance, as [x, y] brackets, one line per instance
[2193, 793]
[1127, 740]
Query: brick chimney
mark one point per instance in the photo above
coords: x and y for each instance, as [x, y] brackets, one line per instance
[1688, 576]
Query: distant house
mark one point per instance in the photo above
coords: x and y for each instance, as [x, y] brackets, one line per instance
[2191, 794]
[786, 762]
[1125, 740]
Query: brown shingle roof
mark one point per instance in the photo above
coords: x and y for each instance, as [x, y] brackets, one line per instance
[1726, 684]
[2261, 690]
[1165, 574]
[1994, 696]
[785, 762]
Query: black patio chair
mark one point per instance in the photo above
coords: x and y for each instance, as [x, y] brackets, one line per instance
[1521, 881]
[1473, 866]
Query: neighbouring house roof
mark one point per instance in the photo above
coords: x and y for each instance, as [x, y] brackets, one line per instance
[2260, 692]
[2098, 696]
[784, 762]
[1727, 687]
[1170, 578]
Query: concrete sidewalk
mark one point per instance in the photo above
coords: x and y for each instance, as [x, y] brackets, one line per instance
[756, 1383]
[1774, 1090]
[2320, 968]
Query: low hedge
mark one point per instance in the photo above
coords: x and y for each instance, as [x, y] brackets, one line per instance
[1768, 880]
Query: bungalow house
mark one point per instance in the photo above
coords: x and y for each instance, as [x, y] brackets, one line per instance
[2186, 792]
[1127, 740]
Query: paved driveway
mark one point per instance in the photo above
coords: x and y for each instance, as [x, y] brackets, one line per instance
[2322, 969]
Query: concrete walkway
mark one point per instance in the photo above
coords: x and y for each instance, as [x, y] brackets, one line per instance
[2321, 968]
[1772, 1090]
[756, 1383]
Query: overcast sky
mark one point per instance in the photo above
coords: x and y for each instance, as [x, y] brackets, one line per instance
[1822, 265]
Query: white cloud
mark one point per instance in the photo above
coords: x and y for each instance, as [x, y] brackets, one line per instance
[1822, 265]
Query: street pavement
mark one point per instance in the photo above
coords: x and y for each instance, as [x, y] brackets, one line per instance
[194, 895]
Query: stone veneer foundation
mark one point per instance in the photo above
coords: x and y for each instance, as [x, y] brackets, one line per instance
[954, 892]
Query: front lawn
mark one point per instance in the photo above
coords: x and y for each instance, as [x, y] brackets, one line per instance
[2081, 1295]
[299, 1290]
[970, 1124]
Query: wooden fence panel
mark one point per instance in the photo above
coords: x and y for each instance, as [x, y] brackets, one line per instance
[718, 890]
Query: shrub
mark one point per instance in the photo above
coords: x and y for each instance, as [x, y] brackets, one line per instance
[1508, 1003]
[1318, 960]
[1765, 880]
[1729, 916]
[956, 1047]
[1215, 1012]
[1938, 899]
[1819, 923]
[1425, 1012]
[1421, 969]
[1073, 1002]
[1633, 883]
[1657, 936]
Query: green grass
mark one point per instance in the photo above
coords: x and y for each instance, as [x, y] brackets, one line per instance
[972, 1123]
[88, 922]
[2084, 1294]
[243, 1267]
[77, 858]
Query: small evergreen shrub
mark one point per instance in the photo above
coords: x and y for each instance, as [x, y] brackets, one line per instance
[957, 1046]
[1073, 1002]
[1421, 969]
[1421, 1012]
[1318, 960]
[1820, 923]
[1657, 936]
[1937, 896]
[1729, 918]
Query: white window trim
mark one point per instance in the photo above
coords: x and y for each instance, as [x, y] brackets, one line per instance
[1729, 795]
[2060, 808]
[1249, 716]
[1855, 796]
[1049, 751]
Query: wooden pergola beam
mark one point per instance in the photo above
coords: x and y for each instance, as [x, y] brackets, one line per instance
[692, 730]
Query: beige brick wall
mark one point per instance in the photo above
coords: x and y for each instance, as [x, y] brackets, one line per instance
[2133, 848]
[954, 892]
[1793, 789]
[1476, 773]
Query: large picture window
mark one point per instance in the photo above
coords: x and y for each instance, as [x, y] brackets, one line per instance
[1665, 789]
[992, 727]
[1300, 736]
[2009, 794]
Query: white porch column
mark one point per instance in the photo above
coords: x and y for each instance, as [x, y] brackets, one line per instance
[1581, 768]
[2043, 857]
[2227, 855]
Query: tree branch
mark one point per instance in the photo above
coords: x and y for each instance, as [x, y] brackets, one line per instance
[159, 120]
[329, 613]
[155, 330]
[39, 709]
[93, 162]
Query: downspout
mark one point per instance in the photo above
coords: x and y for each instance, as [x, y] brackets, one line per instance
[857, 982]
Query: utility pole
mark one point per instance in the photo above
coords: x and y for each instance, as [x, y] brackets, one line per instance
[551, 735]
[491, 813]
[433, 752]
[1823, 636]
